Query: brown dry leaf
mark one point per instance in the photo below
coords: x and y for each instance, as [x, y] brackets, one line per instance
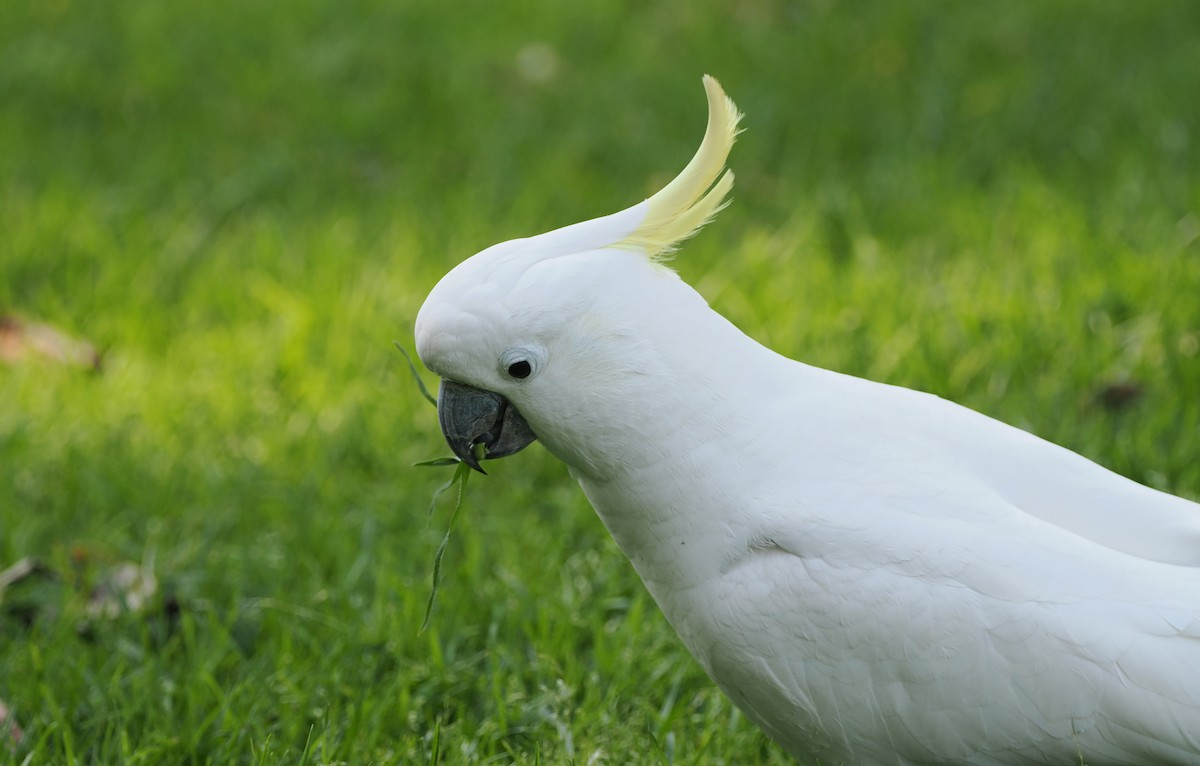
[21, 340]
[1119, 395]
[28, 590]
[8, 723]
[19, 571]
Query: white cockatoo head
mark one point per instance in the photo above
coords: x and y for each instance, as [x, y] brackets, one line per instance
[546, 337]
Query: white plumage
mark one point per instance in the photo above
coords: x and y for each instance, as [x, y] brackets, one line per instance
[874, 575]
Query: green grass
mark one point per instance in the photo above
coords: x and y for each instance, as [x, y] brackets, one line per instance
[243, 204]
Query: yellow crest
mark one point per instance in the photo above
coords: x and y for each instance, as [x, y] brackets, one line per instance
[683, 206]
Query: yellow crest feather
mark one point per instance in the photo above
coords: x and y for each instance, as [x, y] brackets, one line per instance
[683, 206]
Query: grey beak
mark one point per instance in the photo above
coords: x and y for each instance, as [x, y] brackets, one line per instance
[471, 416]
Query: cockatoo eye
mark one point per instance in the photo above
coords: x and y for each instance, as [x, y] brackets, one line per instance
[520, 369]
[521, 363]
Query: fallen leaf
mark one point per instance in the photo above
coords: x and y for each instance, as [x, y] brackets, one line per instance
[19, 571]
[21, 340]
[28, 590]
[1119, 395]
[8, 723]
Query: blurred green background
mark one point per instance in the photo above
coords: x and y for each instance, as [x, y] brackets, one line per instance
[226, 550]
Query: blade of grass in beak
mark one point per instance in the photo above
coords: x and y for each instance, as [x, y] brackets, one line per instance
[412, 367]
[436, 462]
[461, 474]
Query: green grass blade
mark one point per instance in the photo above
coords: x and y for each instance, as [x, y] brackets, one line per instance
[412, 367]
[436, 462]
[461, 474]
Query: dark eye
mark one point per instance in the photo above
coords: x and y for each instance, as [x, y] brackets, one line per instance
[520, 369]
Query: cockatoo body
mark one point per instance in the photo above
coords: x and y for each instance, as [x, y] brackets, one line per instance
[873, 575]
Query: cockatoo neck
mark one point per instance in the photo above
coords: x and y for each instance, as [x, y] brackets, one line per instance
[658, 428]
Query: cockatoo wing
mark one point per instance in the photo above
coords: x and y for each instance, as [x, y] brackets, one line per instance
[1037, 477]
[950, 604]
[949, 652]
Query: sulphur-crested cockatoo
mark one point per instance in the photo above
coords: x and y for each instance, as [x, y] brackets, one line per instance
[872, 574]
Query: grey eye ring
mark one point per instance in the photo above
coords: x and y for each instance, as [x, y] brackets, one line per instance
[522, 362]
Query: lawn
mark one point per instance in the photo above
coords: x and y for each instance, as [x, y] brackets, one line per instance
[242, 205]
